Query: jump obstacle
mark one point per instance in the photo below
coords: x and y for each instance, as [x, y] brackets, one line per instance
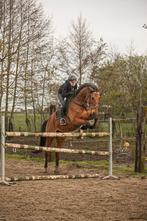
[4, 145]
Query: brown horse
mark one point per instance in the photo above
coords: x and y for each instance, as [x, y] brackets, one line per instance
[82, 107]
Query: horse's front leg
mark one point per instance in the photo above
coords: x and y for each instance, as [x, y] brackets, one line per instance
[80, 121]
[60, 142]
[46, 161]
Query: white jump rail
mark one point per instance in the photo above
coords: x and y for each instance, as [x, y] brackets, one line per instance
[4, 134]
[55, 134]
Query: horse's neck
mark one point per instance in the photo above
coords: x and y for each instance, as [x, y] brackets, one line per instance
[81, 95]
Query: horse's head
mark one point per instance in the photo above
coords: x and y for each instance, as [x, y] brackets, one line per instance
[89, 95]
[92, 99]
[84, 104]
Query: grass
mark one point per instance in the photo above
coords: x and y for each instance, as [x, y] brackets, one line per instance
[19, 123]
[26, 157]
[128, 128]
[118, 169]
[128, 171]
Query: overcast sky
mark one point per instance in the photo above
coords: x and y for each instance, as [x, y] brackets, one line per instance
[118, 22]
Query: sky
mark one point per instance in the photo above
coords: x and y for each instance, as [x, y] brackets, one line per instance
[118, 22]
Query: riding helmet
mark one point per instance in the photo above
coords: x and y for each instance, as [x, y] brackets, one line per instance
[72, 77]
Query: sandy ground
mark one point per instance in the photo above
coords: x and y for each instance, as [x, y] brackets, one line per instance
[71, 200]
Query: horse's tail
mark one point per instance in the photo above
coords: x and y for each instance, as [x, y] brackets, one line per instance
[43, 139]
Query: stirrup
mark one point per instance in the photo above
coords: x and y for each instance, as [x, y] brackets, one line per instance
[62, 121]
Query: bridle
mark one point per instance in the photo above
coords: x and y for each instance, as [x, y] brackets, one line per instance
[86, 104]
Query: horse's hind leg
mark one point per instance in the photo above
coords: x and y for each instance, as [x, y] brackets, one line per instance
[47, 154]
[60, 142]
[46, 162]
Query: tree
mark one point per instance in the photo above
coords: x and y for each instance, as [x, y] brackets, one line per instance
[80, 53]
[125, 83]
[25, 40]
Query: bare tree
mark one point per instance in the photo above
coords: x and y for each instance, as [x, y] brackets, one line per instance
[80, 53]
[18, 57]
[9, 56]
[25, 39]
[80, 43]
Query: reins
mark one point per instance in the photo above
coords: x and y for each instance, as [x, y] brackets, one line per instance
[86, 106]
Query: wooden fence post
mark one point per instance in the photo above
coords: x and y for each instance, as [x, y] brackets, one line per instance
[140, 141]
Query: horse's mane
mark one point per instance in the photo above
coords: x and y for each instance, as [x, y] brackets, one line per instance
[93, 86]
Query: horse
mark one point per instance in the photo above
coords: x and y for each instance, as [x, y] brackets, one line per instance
[82, 107]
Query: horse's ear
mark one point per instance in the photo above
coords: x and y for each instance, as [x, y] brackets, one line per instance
[101, 91]
[96, 89]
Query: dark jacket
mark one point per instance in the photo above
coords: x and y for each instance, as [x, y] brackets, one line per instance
[66, 90]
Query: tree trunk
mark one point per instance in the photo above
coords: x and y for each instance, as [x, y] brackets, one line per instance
[2, 51]
[17, 69]
[9, 60]
[33, 97]
[43, 96]
[28, 124]
[140, 141]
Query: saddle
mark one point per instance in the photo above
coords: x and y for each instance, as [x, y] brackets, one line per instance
[59, 114]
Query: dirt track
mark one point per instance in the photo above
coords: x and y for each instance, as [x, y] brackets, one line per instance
[71, 200]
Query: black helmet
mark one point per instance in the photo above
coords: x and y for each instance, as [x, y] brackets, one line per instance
[72, 77]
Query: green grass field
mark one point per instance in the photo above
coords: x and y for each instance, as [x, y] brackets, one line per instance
[19, 123]
[121, 129]
[118, 169]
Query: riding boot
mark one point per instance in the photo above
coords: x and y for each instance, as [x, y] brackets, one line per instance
[62, 119]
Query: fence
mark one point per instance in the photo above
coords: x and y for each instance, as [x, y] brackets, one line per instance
[4, 145]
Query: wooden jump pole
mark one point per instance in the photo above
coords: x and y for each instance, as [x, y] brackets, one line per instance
[52, 177]
[54, 149]
[55, 134]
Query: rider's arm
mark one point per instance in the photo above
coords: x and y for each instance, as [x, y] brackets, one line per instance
[65, 91]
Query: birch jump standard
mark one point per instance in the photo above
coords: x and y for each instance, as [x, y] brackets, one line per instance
[54, 149]
[55, 134]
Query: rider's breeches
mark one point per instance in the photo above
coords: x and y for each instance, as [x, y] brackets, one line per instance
[63, 105]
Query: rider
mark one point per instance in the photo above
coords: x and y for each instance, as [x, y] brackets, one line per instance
[65, 91]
